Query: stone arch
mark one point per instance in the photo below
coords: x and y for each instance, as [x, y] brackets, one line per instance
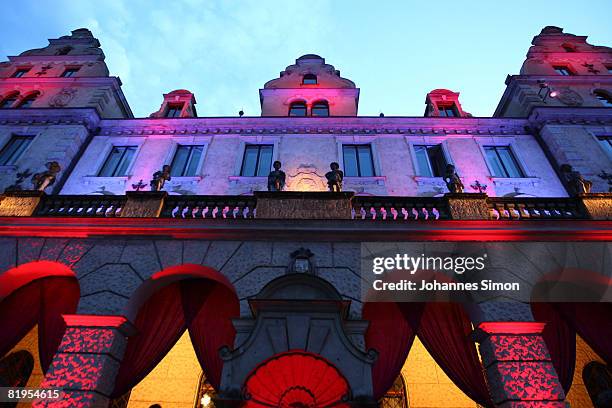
[299, 286]
[183, 297]
[50, 289]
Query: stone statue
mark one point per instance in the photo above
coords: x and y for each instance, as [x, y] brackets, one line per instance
[576, 184]
[41, 181]
[276, 178]
[334, 177]
[160, 177]
[452, 180]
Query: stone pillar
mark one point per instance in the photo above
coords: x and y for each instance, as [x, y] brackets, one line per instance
[143, 204]
[467, 206]
[597, 206]
[87, 361]
[518, 368]
[19, 203]
[303, 205]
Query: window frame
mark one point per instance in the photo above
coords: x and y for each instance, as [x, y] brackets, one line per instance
[198, 168]
[29, 99]
[6, 143]
[23, 70]
[173, 105]
[413, 153]
[244, 152]
[73, 70]
[356, 145]
[321, 102]
[310, 77]
[444, 107]
[109, 151]
[519, 163]
[559, 67]
[300, 102]
[11, 95]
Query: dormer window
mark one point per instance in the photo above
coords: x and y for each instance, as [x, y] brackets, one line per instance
[174, 110]
[449, 111]
[562, 70]
[20, 72]
[309, 79]
[70, 72]
[297, 109]
[320, 108]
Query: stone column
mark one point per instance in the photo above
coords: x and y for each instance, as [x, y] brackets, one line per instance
[87, 361]
[518, 368]
[467, 206]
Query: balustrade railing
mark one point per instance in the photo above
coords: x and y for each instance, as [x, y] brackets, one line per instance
[81, 206]
[400, 208]
[213, 206]
[534, 208]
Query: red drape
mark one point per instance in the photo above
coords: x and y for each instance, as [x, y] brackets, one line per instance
[391, 332]
[560, 340]
[593, 322]
[160, 322]
[203, 306]
[211, 327]
[41, 302]
[445, 332]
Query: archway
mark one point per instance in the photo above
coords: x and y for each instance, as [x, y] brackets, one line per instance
[185, 297]
[36, 294]
[296, 379]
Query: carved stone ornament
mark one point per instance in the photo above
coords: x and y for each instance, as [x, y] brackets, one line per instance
[569, 97]
[301, 262]
[63, 97]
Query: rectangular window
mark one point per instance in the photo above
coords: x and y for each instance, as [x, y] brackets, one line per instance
[118, 161]
[448, 111]
[174, 110]
[430, 160]
[257, 160]
[14, 149]
[358, 160]
[70, 72]
[502, 162]
[562, 70]
[186, 160]
[606, 143]
[20, 72]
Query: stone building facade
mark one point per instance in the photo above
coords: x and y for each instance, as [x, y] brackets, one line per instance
[216, 291]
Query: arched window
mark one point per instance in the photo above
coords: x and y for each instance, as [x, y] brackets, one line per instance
[28, 100]
[309, 79]
[598, 382]
[320, 108]
[9, 100]
[15, 369]
[297, 109]
[64, 50]
[206, 392]
[396, 397]
[603, 97]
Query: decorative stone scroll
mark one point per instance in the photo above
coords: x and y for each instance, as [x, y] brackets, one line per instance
[468, 206]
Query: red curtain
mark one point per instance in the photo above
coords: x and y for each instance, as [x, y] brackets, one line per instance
[445, 332]
[160, 322]
[203, 306]
[560, 340]
[210, 326]
[593, 322]
[41, 302]
[391, 332]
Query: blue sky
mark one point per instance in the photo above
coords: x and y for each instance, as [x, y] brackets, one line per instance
[224, 51]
